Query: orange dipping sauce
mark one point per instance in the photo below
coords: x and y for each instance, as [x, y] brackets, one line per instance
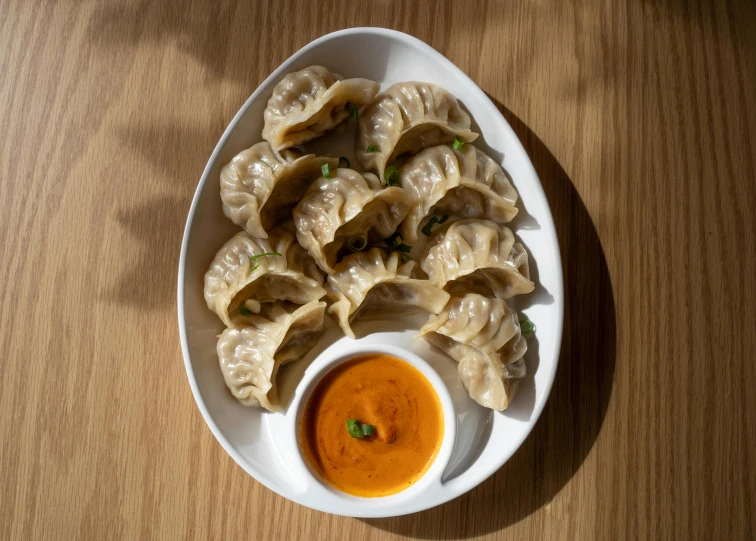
[394, 397]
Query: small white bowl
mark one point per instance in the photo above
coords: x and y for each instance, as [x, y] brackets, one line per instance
[264, 444]
[430, 480]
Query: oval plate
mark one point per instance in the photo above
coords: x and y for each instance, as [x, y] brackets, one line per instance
[264, 444]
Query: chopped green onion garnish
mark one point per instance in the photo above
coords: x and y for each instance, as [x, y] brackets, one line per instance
[427, 227]
[354, 113]
[354, 428]
[391, 242]
[326, 169]
[254, 258]
[433, 221]
[243, 310]
[391, 176]
[405, 258]
[527, 326]
[371, 148]
[458, 143]
[359, 430]
[358, 243]
[343, 162]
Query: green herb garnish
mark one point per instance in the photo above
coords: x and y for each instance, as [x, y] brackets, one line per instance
[371, 148]
[326, 170]
[405, 258]
[527, 326]
[458, 143]
[354, 428]
[254, 258]
[427, 227]
[343, 162]
[391, 176]
[359, 430]
[433, 221]
[392, 242]
[243, 310]
[354, 113]
[357, 243]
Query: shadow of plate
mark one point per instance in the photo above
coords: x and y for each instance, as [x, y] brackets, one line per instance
[572, 419]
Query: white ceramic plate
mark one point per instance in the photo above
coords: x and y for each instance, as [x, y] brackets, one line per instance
[265, 444]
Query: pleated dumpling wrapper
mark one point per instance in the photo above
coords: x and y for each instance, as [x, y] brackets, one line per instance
[248, 271]
[343, 207]
[465, 182]
[406, 118]
[477, 256]
[373, 285]
[260, 186]
[308, 103]
[483, 335]
[252, 349]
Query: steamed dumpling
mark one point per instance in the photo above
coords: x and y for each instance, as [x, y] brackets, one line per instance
[467, 183]
[406, 118]
[233, 278]
[252, 349]
[477, 256]
[260, 186]
[483, 335]
[373, 285]
[308, 103]
[344, 206]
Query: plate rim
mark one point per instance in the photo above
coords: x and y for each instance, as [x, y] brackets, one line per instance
[558, 304]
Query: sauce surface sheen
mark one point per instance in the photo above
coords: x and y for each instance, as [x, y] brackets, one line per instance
[394, 397]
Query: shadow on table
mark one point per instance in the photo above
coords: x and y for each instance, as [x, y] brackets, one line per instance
[175, 152]
[572, 419]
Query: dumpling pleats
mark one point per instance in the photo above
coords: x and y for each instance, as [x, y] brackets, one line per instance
[466, 183]
[260, 187]
[372, 285]
[253, 348]
[344, 206]
[406, 118]
[477, 256]
[483, 335]
[242, 271]
[308, 103]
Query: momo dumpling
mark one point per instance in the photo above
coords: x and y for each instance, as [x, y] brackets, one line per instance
[260, 186]
[247, 269]
[252, 349]
[308, 103]
[345, 206]
[464, 182]
[483, 335]
[373, 285]
[406, 118]
[477, 256]
[298, 260]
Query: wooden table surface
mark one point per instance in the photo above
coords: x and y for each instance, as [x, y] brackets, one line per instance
[639, 118]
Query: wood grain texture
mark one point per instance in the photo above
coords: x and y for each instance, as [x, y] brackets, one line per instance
[639, 119]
